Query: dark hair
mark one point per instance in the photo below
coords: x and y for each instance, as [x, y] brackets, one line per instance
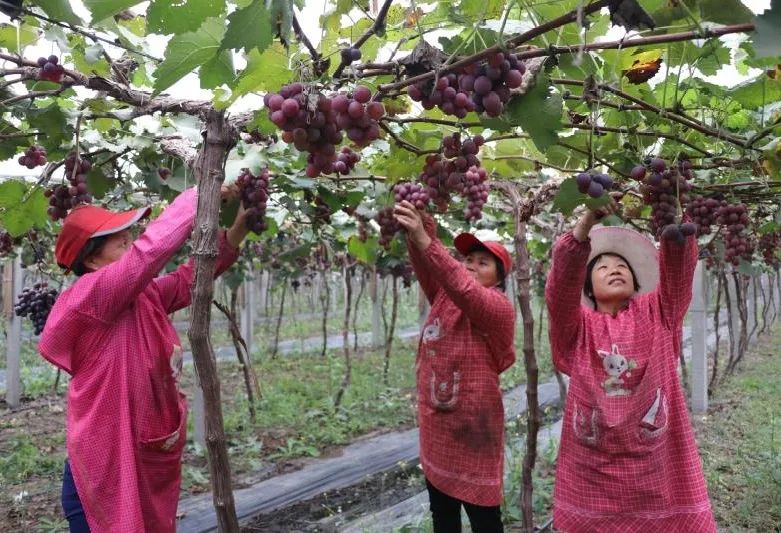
[500, 273]
[588, 287]
[92, 247]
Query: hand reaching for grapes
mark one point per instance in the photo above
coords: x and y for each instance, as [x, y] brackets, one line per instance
[412, 221]
[594, 216]
[239, 229]
[229, 192]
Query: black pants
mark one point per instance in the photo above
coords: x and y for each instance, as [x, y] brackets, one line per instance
[446, 512]
[71, 504]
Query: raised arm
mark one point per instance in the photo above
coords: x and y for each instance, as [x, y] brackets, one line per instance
[426, 278]
[676, 276]
[111, 289]
[563, 290]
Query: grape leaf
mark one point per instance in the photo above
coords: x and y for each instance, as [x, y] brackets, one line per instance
[264, 71]
[101, 9]
[364, 251]
[22, 210]
[249, 28]
[188, 51]
[59, 10]
[217, 70]
[164, 16]
[8, 36]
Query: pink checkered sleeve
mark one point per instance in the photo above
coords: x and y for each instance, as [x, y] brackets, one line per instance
[112, 288]
[563, 290]
[486, 308]
[426, 278]
[676, 277]
[176, 288]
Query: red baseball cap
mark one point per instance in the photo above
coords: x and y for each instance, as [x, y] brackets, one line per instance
[466, 242]
[87, 221]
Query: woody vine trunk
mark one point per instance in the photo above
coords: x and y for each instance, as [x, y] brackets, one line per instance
[219, 137]
[523, 277]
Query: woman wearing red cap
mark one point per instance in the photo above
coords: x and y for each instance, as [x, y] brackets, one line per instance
[111, 332]
[467, 342]
[628, 460]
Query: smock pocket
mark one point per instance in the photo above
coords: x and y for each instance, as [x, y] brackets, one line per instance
[653, 424]
[161, 456]
[444, 391]
[585, 423]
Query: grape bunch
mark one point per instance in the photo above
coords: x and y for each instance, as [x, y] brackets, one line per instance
[733, 219]
[388, 226]
[363, 231]
[62, 198]
[51, 70]
[35, 303]
[482, 87]
[457, 171]
[254, 195]
[307, 121]
[357, 116]
[413, 193]
[350, 55]
[664, 188]
[677, 233]
[6, 243]
[768, 244]
[593, 183]
[702, 212]
[33, 157]
[346, 160]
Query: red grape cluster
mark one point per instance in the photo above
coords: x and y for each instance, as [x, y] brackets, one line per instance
[346, 160]
[312, 122]
[413, 193]
[254, 195]
[769, 243]
[482, 87]
[33, 157]
[664, 189]
[51, 70]
[357, 116]
[594, 183]
[62, 198]
[6, 243]
[702, 211]
[734, 220]
[35, 304]
[363, 231]
[388, 226]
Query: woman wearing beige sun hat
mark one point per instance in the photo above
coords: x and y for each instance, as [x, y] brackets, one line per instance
[627, 460]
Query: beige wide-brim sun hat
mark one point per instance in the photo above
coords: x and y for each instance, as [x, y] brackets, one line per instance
[636, 248]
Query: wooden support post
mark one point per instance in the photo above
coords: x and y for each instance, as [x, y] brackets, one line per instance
[699, 335]
[374, 293]
[12, 285]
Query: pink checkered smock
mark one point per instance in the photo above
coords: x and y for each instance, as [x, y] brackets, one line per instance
[628, 461]
[468, 340]
[126, 417]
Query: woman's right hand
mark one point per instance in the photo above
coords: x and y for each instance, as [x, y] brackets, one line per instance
[412, 222]
[593, 216]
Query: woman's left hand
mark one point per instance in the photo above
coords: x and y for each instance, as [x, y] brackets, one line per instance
[239, 229]
[412, 222]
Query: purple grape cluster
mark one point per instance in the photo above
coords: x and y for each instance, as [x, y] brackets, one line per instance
[482, 87]
[254, 195]
[734, 221]
[346, 160]
[34, 156]
[664, 188]
[413, 193]
[388, 226]
[6, 243]
[35, 303]
[51, 70]
[702, 212]
[594, 183]
[350, 55]
[63, 198]
[358, 116]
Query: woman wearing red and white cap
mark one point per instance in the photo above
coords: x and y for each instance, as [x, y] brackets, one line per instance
[628, 460]
[126, 419]
[467, 342]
